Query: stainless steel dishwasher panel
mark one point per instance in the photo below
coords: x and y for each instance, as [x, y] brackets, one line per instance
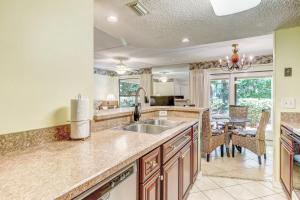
[121, 186]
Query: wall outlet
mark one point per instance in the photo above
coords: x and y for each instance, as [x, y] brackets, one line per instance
[163, 113]
[288, 103]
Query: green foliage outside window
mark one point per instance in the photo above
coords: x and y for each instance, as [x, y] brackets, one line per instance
[256, 93]
[127, 90]
[219, 96]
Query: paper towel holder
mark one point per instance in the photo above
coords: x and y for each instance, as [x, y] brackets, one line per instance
[80, 122]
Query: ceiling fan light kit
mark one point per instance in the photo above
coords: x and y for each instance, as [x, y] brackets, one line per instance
[121, 68]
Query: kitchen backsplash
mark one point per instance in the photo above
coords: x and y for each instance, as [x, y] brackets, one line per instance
[22, 140]
[290, 117]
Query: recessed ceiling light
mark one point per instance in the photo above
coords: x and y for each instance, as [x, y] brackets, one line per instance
[228, 7]
[185, 40]
[112, 19]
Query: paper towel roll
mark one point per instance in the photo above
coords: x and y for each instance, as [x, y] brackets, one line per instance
[80, 130]
[79, 109]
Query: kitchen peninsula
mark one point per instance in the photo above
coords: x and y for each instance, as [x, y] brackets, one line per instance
[66, 169]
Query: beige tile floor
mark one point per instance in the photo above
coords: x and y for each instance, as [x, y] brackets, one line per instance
[219, 188]
[243, 166]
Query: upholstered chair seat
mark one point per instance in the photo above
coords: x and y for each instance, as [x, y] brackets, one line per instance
[252, 140]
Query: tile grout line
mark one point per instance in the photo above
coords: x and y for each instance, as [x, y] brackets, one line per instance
[231, 186]
[258, 182]
[229, 194]
[206, 196]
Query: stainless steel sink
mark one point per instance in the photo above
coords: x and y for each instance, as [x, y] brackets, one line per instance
[162, 122]
[145, 128]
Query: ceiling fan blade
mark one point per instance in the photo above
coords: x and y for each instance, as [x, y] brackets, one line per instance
[124, 42]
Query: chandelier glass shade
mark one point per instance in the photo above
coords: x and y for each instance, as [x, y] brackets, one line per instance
[235, 62]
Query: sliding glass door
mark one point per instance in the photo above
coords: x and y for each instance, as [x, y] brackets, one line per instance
[252, 89]
[219, 96]
[256, 93]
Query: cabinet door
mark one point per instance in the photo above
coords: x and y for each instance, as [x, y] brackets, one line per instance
[171, 179]
[150, 190]
[195, 158]
[286, 162]
[185, 174]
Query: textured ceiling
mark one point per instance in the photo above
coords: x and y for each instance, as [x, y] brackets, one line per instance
[149, 57]
[155, 39]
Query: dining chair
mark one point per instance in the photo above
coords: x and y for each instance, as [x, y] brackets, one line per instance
[254, 140]
[211, 138]
[236, 111]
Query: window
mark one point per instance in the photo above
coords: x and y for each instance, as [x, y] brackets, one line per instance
[256, 93]
[127, 90]
[219, 96]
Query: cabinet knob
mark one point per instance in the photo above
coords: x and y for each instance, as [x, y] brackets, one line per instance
[161, 177]
[172, 147]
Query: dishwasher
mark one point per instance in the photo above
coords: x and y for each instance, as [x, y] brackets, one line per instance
[120, 186]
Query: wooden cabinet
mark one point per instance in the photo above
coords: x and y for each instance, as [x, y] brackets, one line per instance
[185, 173]
[149, 164]
[171, 179]
[150, 190]
[171, 147]
[195, 152]
[195, 158]
[167, 172]
[286, 160]
[150, 178]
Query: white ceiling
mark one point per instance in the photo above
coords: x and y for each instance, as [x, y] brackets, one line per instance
[155, 39]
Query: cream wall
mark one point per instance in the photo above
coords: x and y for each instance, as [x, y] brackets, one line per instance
[287, 54]
[46, 58]
[163, 89]
[105, 85]
[171, 88]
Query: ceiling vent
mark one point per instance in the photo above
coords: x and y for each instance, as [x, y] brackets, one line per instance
[139, 8]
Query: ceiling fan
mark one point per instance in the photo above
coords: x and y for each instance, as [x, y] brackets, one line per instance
[121, 68]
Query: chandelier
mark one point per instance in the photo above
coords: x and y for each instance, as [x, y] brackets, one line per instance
[235, 62]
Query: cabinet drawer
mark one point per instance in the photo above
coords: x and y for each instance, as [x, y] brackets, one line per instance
[149, 164]
[171, 147]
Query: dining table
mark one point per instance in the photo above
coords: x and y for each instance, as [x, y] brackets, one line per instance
[228, 123]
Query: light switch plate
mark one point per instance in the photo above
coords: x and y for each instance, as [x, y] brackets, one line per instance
[163, 113]
[288, 103]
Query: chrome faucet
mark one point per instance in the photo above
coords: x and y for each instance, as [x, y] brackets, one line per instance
[137, 106]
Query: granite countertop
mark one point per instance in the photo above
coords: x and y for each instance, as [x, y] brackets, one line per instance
[119, 112]
[293, 126]
[62, 170]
